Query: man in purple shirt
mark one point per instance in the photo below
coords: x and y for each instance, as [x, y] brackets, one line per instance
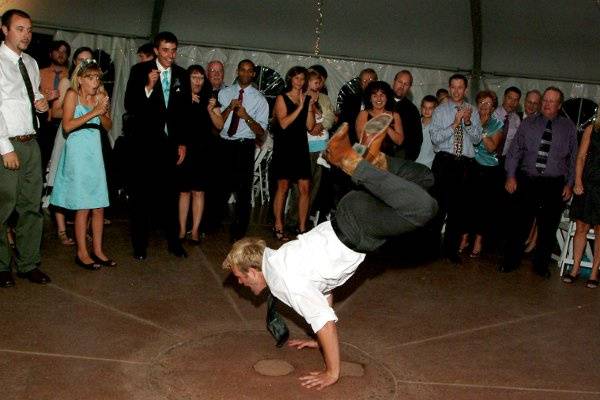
[540, 166]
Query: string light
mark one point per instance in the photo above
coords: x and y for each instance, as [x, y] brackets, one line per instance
[319, 26]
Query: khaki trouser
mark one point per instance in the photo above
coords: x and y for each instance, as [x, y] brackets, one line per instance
[21, 192]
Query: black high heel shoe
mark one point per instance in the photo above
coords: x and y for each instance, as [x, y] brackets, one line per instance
[280, 235]
[93, 266]
[105, 263]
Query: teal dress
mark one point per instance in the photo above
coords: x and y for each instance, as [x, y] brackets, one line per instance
[80, 181]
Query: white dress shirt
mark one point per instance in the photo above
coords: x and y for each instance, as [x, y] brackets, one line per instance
[426, 155]
[15, 106]
[255, 104]
[442, 133]
[301, 273]
[513, 124]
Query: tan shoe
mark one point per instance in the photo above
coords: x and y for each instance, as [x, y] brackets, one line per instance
[374, 134]
[340, 153]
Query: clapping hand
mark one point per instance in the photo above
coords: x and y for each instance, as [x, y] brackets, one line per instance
[102, 106]
[212, 103]
[41, 105]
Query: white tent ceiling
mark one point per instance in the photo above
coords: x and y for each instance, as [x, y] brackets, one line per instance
[554, 39]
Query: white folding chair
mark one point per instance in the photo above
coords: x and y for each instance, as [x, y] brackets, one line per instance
[566, 254]
[260, 183]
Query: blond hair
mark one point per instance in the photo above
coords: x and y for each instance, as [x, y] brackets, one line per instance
[246, 253]
[83, 67]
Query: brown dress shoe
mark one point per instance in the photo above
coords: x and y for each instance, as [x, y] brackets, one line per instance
[6, 279]
[340, 153]
[35, 276]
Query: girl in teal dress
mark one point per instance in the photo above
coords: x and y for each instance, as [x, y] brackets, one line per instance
[80, 182]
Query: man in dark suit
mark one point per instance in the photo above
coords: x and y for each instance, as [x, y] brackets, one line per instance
[157, 100]
[409, 115]
[354, 104]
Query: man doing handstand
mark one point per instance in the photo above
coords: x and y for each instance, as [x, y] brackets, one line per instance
[390, 199]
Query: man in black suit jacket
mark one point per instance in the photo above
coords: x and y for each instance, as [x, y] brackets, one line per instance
[157, 101]
[354, 104]
[409, 115]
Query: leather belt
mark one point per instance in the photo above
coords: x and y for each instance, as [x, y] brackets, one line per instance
[340, 235]
[22, 138]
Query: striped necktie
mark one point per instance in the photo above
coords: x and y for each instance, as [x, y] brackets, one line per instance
[544, 149]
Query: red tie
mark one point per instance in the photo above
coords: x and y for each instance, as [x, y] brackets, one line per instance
[235, 120]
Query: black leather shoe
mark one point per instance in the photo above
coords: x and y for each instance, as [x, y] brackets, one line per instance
[543, 272]
[178, 251]
[505, 269]
[140, 255]
[35, 276]
[105, 263]
[454, 258]
[91, 266]
[6, 279]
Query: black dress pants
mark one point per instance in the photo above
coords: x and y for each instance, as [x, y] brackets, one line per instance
[539, 198]
[237, 172]
[153, 196]
[451, 192]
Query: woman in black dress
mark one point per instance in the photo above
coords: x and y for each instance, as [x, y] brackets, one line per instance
[194, 171]
[294, 115]
[585, 209]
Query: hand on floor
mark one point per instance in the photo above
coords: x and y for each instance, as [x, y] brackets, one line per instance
[318, 380]
[303, 343]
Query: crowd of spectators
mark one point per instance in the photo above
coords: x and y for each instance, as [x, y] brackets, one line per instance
[492, 164]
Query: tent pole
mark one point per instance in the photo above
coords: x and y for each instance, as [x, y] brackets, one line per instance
[157, 13]
[476, 73]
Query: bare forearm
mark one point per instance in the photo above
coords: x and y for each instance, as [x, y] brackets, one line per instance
[328, 340]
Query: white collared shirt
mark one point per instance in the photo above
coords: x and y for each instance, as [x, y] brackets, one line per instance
[301, 273]
[255, 104]
[15, 106]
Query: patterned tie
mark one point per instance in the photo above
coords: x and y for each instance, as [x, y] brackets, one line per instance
[166, 85]
[458, 139]
[235, 120]
[29, 88]
[544, 149]
[56, 79]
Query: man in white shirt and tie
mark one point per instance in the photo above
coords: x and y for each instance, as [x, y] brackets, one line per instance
[387, 201]
[21, 172]
[507, 113]
[246, 115]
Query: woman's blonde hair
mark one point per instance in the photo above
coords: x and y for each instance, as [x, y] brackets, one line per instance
[89, 65]
[596, 120]
[245, 254]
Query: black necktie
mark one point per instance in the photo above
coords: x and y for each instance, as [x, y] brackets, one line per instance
[235, 120]
[275, 324]
[29, 88]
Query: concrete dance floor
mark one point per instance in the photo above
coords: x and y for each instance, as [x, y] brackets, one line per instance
[180, 329]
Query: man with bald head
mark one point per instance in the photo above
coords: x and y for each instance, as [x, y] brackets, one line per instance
[409, 115]
[533, 101]
[353, 104]
[215, 72]
[540, 171]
